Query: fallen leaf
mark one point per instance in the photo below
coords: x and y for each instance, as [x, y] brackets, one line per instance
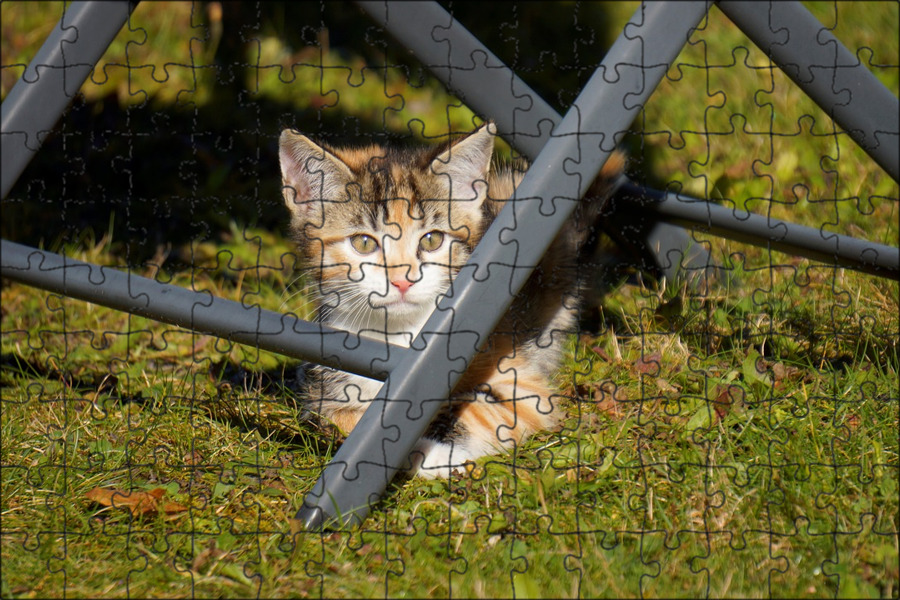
[726, 397]
[172, 508]
[649, 364]
[139, 503]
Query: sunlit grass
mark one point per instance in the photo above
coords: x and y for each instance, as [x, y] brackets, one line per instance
[735, 441]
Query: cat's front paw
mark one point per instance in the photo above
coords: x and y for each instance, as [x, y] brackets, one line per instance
[432, 459]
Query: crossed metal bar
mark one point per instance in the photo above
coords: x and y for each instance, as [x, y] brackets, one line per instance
[566, 152]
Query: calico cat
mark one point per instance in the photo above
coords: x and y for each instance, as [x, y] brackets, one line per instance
[384, 231]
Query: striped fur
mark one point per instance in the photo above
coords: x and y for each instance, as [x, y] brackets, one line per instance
[345, 202]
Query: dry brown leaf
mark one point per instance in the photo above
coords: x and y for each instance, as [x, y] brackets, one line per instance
[726, 397]
[139, 503]
[172, 508]
[649, 364]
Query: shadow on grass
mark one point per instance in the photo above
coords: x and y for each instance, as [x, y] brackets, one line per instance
[272, 403]
[155, 176]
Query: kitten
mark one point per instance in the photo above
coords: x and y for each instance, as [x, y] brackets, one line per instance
[384, 231]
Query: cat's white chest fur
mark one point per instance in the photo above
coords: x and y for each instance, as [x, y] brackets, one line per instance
[382, 326]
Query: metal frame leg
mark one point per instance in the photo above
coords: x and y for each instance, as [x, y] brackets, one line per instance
[52, 79]
[200, 311]
[380, 444]
[830, 75]
[524, 119]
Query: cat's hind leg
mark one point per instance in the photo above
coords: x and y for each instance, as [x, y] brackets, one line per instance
[486, 422]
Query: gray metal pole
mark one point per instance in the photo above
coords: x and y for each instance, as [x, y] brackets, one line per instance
[759, 230]
[199, 311]
[52, 79]
[469, 69]
[829, 74]
[525, 120]
[514, 244]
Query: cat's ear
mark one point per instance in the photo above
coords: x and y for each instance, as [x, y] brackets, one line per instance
[310, 175]
[468, 161]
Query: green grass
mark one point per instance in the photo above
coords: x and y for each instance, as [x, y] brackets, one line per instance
[740, 441]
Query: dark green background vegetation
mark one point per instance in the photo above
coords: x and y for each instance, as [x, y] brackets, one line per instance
[165, 150]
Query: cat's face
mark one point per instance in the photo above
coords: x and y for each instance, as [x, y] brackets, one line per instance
[385, 231]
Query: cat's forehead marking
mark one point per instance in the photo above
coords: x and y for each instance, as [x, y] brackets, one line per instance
[360, 159]
[404, 213]
[401, 195]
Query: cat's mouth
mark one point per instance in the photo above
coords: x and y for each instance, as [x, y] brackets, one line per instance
[401, 307]
[401, 304]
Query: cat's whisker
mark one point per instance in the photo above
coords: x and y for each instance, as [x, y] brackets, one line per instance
[307, 300]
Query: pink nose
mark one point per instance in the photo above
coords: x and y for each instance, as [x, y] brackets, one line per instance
[402, 285]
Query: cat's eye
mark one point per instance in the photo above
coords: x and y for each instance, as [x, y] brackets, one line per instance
[364, 244]
[431, 241]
